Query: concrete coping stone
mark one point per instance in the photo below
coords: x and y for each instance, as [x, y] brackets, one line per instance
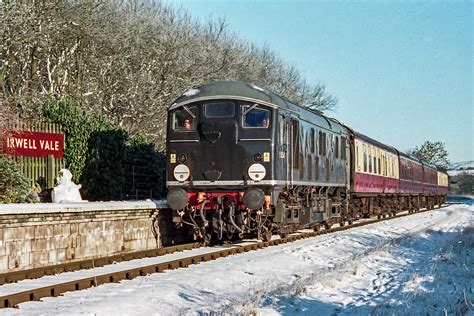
[78, 207]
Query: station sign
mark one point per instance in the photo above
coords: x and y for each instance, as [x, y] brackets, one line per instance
[33, 144]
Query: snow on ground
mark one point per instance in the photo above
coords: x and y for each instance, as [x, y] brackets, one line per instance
[427, 272]
[420, 264]
[461, 167]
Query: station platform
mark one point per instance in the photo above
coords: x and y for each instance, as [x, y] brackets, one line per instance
[45, 234]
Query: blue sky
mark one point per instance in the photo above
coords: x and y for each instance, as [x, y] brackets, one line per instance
[402, 70]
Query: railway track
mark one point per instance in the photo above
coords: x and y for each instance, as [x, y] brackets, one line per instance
[157, 260]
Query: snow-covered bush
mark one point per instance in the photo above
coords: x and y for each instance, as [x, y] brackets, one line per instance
[14, 185]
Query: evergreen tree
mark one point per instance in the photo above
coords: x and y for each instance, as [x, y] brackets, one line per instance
[434, 153]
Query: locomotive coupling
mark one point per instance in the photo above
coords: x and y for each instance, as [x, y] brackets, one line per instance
[254, 198]
[177, 198]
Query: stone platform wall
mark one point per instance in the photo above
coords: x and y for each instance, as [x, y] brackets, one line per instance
[35, 235]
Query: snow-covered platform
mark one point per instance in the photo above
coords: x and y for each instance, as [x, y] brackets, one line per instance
[45, 234]
[23, 208]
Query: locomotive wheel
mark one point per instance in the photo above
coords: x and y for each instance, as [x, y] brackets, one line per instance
[316, 228]
[230, 235]
[230, 231]
[207, 235]
[327, 226]
[266, 235]
[265, 231]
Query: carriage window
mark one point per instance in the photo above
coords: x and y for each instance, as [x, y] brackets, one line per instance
[390, 167]
[255, 116]
[370, 159]
[337, 147]
[311, 136]
[219, 109]
[357, 159]
[185, 119]
[364, 160]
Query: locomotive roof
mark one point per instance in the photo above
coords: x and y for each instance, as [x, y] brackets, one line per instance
[232, 90]
[239, 90]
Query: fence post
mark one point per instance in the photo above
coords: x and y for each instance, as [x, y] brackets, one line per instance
[50, 172]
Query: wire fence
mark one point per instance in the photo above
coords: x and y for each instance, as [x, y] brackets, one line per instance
[139, 184]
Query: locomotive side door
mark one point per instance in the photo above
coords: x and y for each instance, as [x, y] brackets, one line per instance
[283, 148]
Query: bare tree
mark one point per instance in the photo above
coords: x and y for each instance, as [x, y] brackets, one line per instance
[129, 59]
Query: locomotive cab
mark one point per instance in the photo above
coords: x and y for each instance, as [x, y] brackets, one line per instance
[219, 161]
[219, 144]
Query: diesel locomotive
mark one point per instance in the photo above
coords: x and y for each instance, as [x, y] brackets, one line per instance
[243, 161]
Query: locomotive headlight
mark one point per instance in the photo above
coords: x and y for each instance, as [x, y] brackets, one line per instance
[182, 158]
[257, 172]
[181, 172]
[257, 157]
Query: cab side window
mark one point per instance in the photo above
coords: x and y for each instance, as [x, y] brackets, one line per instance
[185, 118]
[254, 116]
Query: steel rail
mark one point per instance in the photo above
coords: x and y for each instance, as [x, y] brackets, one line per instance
[35, 273]
[13, 299]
